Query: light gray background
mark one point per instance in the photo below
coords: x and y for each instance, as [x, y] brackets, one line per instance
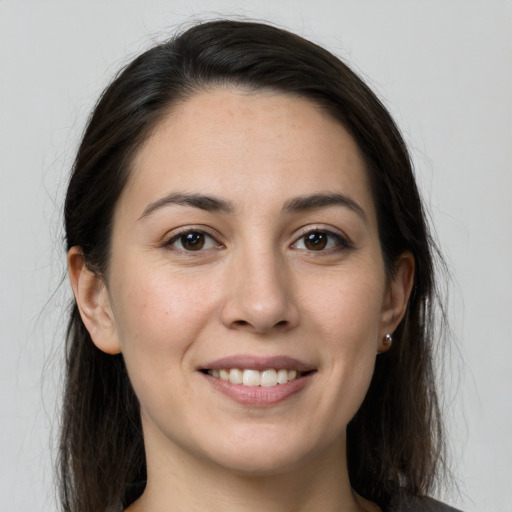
[444, 70]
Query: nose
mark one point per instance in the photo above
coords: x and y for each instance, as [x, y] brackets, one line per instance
[260, 296]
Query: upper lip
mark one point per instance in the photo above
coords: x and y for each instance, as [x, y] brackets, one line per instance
[243, 362]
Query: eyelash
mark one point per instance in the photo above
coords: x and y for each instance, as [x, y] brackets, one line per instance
[178, 237]
[340, 242]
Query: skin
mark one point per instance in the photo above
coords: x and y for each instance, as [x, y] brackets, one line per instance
[257, 289]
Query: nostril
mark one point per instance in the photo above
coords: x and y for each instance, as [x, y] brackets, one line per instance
[243, 323]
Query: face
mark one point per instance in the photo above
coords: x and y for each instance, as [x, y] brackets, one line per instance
[246, 287]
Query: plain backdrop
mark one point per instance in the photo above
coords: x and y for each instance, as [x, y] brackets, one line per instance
[444, 69]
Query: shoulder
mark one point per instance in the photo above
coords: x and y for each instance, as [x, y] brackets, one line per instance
[420, 504]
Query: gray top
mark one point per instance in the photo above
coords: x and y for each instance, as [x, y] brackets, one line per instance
[420, 504]
[403, 503]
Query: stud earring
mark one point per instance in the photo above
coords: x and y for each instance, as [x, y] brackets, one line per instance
[386, 343]
[388, 340]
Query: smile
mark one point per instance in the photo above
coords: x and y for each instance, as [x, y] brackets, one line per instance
[257, 381]
[252, 377]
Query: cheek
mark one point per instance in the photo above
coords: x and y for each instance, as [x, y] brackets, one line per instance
[346, 307]
[344, 310]
[158, 316]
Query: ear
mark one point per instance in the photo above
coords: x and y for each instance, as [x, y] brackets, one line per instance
[397, 297]
[93, 302]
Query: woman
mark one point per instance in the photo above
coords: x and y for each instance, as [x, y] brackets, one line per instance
[254, 289]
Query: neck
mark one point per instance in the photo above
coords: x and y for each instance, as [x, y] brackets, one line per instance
[181, 481]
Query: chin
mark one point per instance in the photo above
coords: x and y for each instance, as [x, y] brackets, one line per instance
[262, 465]
[258, 455]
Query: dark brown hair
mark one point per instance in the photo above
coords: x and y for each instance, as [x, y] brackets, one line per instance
[395, 441]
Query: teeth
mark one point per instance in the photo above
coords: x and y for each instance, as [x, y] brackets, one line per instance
[282, 376]
[235, 376]
[269, 378]
[249, 377]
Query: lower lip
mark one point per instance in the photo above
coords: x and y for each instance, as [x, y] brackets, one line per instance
[259, 396]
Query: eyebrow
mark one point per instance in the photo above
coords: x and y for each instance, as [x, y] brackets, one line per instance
[314, 201]
[214, 204]
[203, 202]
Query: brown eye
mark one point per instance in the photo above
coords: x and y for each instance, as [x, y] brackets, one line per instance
[192, 241]
[316, 241]
[321, 240]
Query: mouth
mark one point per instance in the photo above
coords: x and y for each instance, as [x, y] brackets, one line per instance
[252, 377]
[257, 381]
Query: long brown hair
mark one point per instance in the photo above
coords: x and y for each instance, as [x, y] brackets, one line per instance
[395, 441]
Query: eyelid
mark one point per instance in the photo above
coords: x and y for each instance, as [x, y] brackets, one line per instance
[176, 233]
[343, 240]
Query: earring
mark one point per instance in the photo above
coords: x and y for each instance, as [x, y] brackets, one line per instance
[386, 343]
[388, 340]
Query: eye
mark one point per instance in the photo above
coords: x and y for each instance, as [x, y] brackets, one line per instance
[320, 240]
[192, 241]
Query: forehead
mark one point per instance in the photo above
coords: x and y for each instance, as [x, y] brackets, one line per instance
[247, 145]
